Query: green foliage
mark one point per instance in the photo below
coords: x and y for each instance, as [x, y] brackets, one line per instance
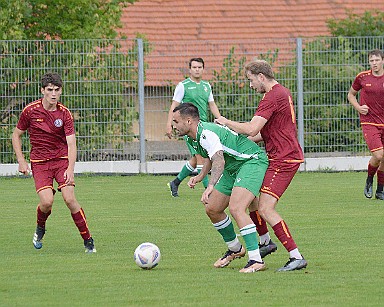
[355, 26]
[60, 19]
[325, 103]
[367, 24]
[99, 77]
[11, 19]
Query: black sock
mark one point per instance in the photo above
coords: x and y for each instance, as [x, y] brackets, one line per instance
[177, 181]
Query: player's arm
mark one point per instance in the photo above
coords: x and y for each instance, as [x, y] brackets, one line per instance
[258, 138]
[353, 101]
[16, 143]
[204, 171]
[217, 169]
[69, 174]
[214, 109]
[169, 120]
[251, 128]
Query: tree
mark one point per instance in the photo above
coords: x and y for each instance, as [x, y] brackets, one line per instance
[367, 24]
[60, 19]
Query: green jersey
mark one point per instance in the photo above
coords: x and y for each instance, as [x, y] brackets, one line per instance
[199, 94]
[237, 148]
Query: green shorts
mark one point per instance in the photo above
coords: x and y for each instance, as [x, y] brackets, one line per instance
[249, 176]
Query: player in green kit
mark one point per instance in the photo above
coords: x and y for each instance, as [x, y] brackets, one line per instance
[198, 92]
[237, 168]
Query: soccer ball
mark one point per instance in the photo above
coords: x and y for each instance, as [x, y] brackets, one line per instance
[147, 255]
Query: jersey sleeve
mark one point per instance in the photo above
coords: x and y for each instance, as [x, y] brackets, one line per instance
[69, 125]
[23, 123]
[179, 93]
[210, 98]
[210, 141]
[356, 85]
[266, 108]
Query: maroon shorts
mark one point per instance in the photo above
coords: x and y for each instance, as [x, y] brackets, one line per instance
[374, 136]
[44, 173]
[278, 177]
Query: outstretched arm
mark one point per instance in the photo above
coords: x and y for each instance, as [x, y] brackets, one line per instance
[251, 128]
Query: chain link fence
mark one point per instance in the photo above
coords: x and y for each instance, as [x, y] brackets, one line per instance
[120, 91]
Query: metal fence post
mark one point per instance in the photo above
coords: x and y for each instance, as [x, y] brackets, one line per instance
[300, 89]
[140, 48]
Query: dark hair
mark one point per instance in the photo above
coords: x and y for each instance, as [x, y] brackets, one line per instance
[187, 109]
[52, 78]
[200, 60]
[259, 67]
[376, 52]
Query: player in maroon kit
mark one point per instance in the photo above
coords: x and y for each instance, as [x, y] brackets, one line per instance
[53, 154]
[370, 83]
[274, 123]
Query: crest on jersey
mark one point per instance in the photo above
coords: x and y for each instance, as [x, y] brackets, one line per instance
[205, 88]
[58, 123]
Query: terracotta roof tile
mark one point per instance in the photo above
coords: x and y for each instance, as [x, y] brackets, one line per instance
[198, 20]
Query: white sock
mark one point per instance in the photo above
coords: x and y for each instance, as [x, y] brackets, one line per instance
[295, 254]
[255, 255]
[234, 245]
[265, 238]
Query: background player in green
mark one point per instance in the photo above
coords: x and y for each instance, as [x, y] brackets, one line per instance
[237, 169]
[198, 92]
[51, 132]
[370, 83]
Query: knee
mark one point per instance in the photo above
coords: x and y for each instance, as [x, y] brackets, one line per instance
[211, 211]
[234, 211]
[69, 199]
[263, 210]
[46, 204]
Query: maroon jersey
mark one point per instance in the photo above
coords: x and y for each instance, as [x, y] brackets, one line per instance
[279, 133]
[47, 130]
[371, 94]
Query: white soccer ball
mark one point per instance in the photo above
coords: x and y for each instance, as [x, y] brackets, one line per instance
[147, 255]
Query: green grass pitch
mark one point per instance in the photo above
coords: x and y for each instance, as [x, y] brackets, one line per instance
[338, 231]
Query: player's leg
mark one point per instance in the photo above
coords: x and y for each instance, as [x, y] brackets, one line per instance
[373, 138]
[377, 156]
[43, 179]
[246, 186]
[276, 181]
[268, 212]
[77, 213]
[43, 211]
[199, 165]
[186, 171]
[266, 245]
[78, 217]
[238, 204]
[218, 202]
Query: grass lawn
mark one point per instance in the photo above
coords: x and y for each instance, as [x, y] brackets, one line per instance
[337, 229]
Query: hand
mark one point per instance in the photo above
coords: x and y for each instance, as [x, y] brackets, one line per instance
[24, 168]
[193, 181]
[69, 177]
[221, 121]
[364, 109]
[169, 132]
[207, 192]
